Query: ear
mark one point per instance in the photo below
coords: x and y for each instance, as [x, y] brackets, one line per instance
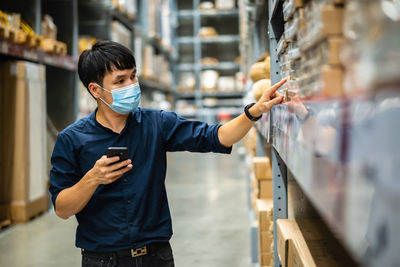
[94, 89]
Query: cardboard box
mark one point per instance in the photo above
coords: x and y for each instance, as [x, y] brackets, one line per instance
[265, 259]
[261, 188]
[265, 241]
[311, 253]
[262, 168]
[307, 248]
[265, 189]
[23, 113]
[286, 230]
[332, 78]
[332, 20]
[264, 214]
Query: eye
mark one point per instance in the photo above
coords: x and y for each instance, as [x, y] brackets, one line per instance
[121, 81]
[133, 76]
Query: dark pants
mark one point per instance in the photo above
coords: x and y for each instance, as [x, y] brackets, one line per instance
[159, 255]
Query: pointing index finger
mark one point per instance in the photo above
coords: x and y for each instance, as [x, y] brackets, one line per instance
[276, 86]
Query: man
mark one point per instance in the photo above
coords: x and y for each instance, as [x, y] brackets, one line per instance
[121, 207]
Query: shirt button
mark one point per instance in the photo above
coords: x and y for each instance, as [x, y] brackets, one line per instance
[131, 224]
[129, 202]
[125, 180]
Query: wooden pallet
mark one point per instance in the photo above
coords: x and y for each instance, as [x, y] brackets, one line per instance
[23, 212]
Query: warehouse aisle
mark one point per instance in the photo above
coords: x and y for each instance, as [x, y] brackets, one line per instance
[208, 200]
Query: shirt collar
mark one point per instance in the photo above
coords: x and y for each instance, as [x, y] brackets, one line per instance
[137, 114]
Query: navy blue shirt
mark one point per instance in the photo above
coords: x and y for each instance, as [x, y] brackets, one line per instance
[132, 211]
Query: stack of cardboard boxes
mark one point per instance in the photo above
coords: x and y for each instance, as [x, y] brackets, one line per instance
[264, 208]
[261, 198]
[310, 46]
[23, 153]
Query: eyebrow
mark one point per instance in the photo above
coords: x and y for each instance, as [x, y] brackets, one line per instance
[123, 75]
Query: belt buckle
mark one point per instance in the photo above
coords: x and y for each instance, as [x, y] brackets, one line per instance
[139, 252]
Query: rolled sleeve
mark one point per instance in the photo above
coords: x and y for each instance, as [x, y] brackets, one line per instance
[63, 173]
[180, 134]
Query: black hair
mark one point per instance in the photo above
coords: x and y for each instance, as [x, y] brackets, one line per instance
[103, 58]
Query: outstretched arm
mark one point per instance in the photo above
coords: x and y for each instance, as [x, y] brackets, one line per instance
[234, 130]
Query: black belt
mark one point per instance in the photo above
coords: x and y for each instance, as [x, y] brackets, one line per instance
[148, 249]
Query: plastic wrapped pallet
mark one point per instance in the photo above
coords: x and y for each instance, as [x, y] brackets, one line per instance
[24, 121]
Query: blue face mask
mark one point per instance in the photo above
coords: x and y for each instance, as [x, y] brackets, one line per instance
[125, 99]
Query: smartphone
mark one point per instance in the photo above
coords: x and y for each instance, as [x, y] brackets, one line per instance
[121, 152]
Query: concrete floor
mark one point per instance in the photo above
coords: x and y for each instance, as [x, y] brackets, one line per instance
[207, 197]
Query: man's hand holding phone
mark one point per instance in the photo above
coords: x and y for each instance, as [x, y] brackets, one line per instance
[109, 169]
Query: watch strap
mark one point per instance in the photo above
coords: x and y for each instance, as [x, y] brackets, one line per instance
[248, 115]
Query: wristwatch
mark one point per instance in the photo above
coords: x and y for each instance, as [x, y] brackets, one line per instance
[246, 111]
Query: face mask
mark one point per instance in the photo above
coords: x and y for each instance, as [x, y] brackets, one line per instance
[125, 99]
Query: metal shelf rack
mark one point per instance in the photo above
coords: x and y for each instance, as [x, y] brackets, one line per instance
[194, 48]
[343, 163]
[61, 76]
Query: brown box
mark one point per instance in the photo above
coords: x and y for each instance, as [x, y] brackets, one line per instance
[261, 188]
[265, 189]
[265, 241]
[310, 253]
[264, 214]
[307, 247]
[262, 168]
[23, 122]
[265, 259]
[334, 48]
[332, 78]
[286, 230]
[332, 20]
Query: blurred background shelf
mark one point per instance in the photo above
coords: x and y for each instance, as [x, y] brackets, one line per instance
[153, 84]
[24, 52]
[218, 66]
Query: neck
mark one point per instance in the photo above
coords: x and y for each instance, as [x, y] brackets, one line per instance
[110, 119]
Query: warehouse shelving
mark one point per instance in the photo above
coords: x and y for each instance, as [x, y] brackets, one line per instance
[61, 77]
[212, 13]
[192, 48]
[147, 83]
[215, 39]
[37, 55]
[342, 163]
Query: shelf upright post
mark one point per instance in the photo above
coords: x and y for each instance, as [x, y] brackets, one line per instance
[279, 183]
[174, 43]
[74, 52]
[197, 52]
[279, 168]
